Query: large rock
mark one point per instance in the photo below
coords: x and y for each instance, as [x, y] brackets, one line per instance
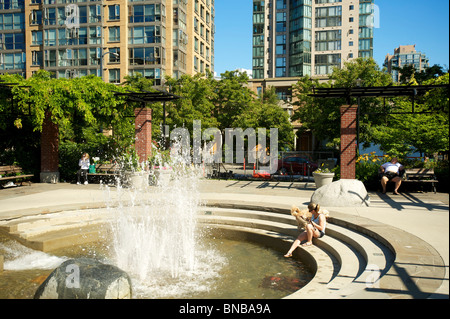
[85, 278]
[342, 193]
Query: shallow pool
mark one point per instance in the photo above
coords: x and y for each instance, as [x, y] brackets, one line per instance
[225, 268]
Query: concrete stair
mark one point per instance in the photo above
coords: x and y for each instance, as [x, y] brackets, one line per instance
[46, 232]
[346, 261]
[358, 257]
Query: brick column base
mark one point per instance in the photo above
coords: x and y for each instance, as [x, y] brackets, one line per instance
[143, 135]
[348, 141]
[49, 151]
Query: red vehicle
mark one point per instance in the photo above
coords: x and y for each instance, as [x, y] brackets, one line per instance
[296, 165]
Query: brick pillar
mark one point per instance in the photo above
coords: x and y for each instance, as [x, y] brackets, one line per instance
[348, 141]
[143, 129]
[49, 151]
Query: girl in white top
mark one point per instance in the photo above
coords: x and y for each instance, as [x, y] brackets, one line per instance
[314, 229]
[84, 167]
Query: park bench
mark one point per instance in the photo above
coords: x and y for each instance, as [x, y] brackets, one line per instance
[106, 172]
[420, 175]
[13, 173]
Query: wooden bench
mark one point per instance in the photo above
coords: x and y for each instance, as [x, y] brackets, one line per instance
[109, 172]
[14, 173]
[420, 175]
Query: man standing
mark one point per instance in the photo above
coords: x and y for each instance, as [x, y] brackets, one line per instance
[390, 171]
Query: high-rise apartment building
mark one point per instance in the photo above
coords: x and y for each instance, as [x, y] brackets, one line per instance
[405, 55]
[294, 38]
[108, 38]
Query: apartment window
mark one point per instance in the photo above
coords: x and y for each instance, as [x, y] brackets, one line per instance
[258, 17]
[114, 12]
[94, 56]
[36, 37]
[50, 58]
[114, 55]
[350, 19]
[50, 16]
[258, 28]
[36, 58]
[13, 41]
[95, 35]
[280, 44]
[114, 34]
[258, 73]
[114, 76]
[327, 1]
[141, 35]
[196, 44]
[258, 62]
[82, 36]
[202, 49]
[83, 14]
[195, 24]
[11, 4]
[72, 57]
[366, 44]
[145, 56]
[280, 67]
[258, 51]
[258, 6]
[50, 37]
[350, 43]
[328, 40]
[281, 4]
[61, 16]
[12, 21]
[154, 74]
[328, 16]
[13, 61]
[179, 59]
[281, 22]
[95, 13]
[324, 63]
[145, 13]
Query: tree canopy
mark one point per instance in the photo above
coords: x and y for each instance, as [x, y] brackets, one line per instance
[84, 108]
[395, 133]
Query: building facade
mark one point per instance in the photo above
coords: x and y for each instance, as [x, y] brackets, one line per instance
[295, 38]
[108, 38]
[405, 55]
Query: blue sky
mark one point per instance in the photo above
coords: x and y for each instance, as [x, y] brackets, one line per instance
[402, 22]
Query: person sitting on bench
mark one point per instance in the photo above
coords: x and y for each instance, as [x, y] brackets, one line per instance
[391, 171]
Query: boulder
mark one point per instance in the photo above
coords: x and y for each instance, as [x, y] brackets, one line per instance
[342, 193]
[85, 278]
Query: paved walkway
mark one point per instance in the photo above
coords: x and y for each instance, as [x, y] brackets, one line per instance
[425, 215]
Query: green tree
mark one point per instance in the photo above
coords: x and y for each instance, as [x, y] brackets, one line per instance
[81, 107]
[426, 131]
[398, 134]
[197, 101]
[408, 72]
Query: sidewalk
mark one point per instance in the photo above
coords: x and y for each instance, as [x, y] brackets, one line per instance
[425, 215]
